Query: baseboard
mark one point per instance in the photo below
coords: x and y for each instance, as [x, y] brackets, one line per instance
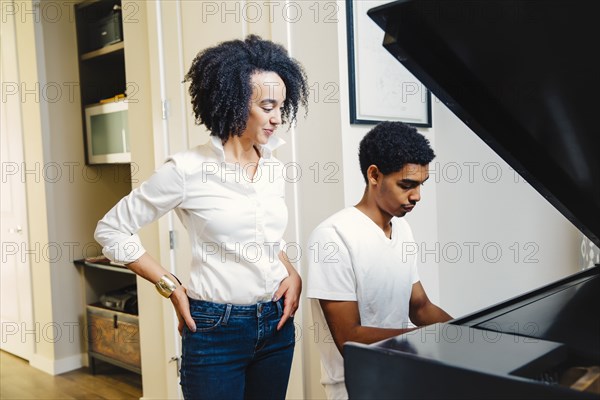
[56, 367]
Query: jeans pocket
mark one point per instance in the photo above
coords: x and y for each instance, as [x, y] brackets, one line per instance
[205, 322]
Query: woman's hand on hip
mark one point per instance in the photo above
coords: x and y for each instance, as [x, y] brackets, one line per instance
[182, 308]
[290, 289]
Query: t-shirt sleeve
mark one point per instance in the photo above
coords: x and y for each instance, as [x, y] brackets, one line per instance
[414, 268]
[330, 272]
[414, 272]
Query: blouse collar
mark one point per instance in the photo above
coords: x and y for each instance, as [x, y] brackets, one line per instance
[266, 150]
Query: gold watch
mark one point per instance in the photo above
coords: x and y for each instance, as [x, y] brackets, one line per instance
[165, 286]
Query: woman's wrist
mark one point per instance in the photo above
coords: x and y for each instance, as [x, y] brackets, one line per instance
[177, 294]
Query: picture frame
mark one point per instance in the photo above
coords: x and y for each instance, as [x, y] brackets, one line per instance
[381, 88]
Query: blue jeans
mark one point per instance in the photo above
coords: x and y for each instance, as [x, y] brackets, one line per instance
[236, 352]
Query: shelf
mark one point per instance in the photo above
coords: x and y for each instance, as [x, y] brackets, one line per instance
[109, 101]
[110, 360]
[107, 267]
[111, 48]
[110, 267]
[87, 3]
[100, 308]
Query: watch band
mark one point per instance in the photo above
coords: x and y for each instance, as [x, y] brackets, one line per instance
[165, 286]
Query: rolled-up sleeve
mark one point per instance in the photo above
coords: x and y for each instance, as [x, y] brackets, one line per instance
[117, 230]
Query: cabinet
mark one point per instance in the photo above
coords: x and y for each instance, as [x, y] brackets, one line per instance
[112, 336]
[102, 81]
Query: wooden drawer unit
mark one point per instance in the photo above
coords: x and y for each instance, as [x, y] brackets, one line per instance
[113, 337]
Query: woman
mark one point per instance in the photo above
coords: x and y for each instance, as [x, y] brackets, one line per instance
[235, 316]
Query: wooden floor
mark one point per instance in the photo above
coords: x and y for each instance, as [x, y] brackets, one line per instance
[18, 380]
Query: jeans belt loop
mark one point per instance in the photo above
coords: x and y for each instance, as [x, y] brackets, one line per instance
[227, 313]
[279, 309]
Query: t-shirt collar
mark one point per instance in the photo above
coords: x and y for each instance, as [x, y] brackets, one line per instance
[266, 150]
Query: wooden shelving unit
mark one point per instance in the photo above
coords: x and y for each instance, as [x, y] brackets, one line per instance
[101, 51]
[112, 336]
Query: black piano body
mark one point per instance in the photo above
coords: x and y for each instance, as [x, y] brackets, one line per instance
[523, 76]
[521, 348]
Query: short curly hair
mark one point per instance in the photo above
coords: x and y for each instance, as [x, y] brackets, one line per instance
[391, 145]
[221, 87]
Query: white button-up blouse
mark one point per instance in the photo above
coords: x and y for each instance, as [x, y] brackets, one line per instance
[235, 223]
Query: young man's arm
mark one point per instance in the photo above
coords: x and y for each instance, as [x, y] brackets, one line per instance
[422, 311]
[343, 319]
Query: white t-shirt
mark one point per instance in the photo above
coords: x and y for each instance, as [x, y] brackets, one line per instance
[351, 259]
[235, 223]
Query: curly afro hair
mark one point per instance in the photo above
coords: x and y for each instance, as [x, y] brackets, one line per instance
[221, 87]
[391, 145]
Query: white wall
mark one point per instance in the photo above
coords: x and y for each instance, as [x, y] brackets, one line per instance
[519, 241]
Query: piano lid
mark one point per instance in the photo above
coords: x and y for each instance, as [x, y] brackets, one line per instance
[524, 76]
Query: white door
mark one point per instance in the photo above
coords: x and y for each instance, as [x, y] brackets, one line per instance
[15, 275]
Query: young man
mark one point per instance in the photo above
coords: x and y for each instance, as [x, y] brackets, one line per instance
[363, 287]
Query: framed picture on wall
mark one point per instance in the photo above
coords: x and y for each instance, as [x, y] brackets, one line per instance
[381, 89]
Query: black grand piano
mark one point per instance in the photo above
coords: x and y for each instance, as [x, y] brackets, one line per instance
[524, 76]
